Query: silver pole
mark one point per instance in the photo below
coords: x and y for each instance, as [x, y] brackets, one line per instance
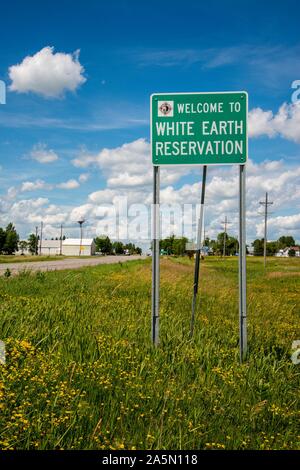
[155, 257]
[198, 251]
[60, 244]
[266, 203]
[41, 239]
[242, 264]
[225, 236]
[36, 240]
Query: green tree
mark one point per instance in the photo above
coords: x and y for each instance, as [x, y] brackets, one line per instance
[285, 241]
[231, 244]
[118, 248]
[292, 253]
[33, 244]
[258, 247]
[22, 246]
[2, 239]
[104, 245]
[272, 248]
[206, 241]
[166, 244]
[179, 245]
[11, 240]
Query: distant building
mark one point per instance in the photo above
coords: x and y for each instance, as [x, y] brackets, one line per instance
[284, 253]
[49, 247]
[205, 250]
[71, 247]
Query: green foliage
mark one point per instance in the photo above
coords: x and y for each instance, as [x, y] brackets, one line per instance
[2, 239]
[258, 247]
[9, 240]
[33, 244]
[118, 248]
[285, 241]
[273, 246]
[104, 245]
[231, 244]
[23, 244]
[179, 245]
[173, 245]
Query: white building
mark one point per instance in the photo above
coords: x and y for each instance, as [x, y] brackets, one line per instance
[68, 247]
[72, 247]
[49, 247]
[285, 252]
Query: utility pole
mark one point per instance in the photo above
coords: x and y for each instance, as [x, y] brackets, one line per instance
[225, 222]
[41, 237]
[81, 222]
[36, 240]
[265, 203]
[60, 245]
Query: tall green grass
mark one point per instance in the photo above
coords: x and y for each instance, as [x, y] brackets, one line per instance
[81, 371]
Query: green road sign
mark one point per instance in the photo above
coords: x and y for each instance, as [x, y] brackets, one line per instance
[199, 128]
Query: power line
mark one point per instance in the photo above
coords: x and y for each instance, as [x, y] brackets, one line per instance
[60, 244]
[225, 222]
[41, 239]
[36, 240]
[265, 203]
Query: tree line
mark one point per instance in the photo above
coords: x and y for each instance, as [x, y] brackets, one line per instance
[105, 246]
[274, 246]
[177, 245]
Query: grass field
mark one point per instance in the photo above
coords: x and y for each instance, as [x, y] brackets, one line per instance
[81, 372]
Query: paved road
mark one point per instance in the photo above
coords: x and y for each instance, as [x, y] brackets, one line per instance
[67, 263]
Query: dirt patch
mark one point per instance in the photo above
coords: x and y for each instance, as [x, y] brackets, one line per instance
[278, 274]
[180, 268]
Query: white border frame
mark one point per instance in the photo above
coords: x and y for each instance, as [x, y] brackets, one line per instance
[198, 93]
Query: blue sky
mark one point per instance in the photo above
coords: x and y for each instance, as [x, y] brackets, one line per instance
[128, 50]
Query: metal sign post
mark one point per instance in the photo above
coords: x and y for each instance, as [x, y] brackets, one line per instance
[155, 257]
[242, 263]
[199, 129]
[198, 252]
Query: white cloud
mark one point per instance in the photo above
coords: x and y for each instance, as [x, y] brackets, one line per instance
[34, 185]
[285, 123]
[281, 225]
[84, 177]
[47, 73]
[128, 166]
[42, 154]
[70, 184]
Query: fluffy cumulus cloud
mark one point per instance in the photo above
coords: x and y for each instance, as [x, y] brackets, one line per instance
[47, 73]
[70, 184]
[42, 154]
[285, 123]
[128, 174]
[127, 166]
[34, 185]
[281, 225]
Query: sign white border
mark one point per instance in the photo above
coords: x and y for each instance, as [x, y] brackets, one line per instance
[198, 93]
